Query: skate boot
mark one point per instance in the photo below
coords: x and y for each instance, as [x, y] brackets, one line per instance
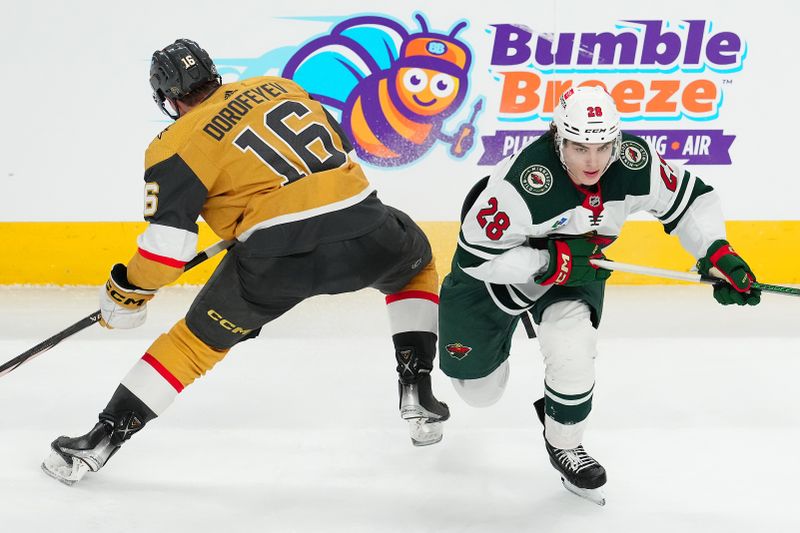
[72, 457]
[580, 473]
[418, 405]
[422, 410]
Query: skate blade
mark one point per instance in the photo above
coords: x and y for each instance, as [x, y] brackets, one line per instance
[424, 433]
[593, 495]
[412, 411]
[55, 467]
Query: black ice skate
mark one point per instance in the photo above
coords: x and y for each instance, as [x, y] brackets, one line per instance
[580, 473]
[418, 405]
[72, 457]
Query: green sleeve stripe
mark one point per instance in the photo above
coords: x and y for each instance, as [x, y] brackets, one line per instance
[699, 189]
[678, 197]
[464, 259]
[463, 242]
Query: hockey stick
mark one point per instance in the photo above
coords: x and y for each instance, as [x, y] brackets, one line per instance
[84, 323]
[686, 276]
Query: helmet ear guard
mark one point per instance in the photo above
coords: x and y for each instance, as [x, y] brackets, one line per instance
[179, 69]
[587, 115]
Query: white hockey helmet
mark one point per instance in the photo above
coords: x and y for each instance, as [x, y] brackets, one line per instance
[587, 115]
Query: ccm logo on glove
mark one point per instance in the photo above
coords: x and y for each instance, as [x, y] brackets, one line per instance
[123, 305]
[125, 300]
[570, 263]
[564, 269]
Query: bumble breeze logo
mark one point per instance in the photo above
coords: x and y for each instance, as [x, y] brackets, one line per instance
[458, 350]
[633, 155]
[227, 324]
[536, 180]
[664, 70]
[530, 64]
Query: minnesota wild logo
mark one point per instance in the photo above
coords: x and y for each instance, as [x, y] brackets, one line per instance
[632, 155]
[458, 350]
[536, 179]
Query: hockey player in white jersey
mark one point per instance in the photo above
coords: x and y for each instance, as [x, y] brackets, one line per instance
[527, 237]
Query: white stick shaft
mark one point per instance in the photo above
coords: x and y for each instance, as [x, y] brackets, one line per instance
[647, 271]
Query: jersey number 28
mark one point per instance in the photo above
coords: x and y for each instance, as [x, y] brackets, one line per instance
[499, 222]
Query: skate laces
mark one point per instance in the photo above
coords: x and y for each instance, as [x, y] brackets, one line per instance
[575, 458]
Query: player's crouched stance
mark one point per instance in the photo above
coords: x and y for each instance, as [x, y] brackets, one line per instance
[528, 234]
[303, 225]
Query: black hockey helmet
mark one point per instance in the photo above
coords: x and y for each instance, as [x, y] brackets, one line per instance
[179, 69]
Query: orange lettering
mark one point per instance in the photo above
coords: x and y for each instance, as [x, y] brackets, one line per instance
[628, 94]
[519, 92]
[593, 83]
[664, 90]
[555, 89]
[698, 96]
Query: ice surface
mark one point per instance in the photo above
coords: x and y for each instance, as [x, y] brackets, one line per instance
[695, 418]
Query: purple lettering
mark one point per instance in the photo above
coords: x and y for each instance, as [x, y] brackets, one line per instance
[694, 42]
[544, 49]
[510, 45]
[654, 39]
[721, 43]
[607, 43]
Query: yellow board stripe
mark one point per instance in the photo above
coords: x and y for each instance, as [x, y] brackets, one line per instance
[82, 253]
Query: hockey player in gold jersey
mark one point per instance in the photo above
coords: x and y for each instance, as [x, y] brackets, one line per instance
[268, 167]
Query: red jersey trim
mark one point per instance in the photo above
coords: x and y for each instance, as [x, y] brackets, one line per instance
[174, 263]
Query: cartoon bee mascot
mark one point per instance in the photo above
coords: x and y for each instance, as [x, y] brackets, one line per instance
[394, 89]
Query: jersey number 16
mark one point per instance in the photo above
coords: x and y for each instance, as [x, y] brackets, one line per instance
[312, 145]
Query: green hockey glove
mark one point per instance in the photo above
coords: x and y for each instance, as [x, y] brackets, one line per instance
[569, 263]
[738, 285]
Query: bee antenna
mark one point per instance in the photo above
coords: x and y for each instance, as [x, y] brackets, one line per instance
[458, 27]
[422, 23]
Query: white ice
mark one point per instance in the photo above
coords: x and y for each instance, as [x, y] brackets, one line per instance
[695, 418]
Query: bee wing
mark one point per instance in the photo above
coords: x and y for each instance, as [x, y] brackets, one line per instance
[379, 37]
[330, 67]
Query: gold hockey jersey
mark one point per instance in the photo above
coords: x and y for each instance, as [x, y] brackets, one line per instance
[258, 159]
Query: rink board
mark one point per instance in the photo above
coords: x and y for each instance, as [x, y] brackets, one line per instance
[81, 253]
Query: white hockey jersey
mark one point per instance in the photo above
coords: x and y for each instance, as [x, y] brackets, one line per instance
[529, 196]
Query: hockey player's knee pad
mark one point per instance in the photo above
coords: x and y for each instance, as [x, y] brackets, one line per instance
[568, 342]
[485, 391]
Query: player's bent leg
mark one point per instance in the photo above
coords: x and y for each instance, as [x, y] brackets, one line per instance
[568, 343]
[171, 363]
[475, 340]
[413, 317]
[485, 391]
